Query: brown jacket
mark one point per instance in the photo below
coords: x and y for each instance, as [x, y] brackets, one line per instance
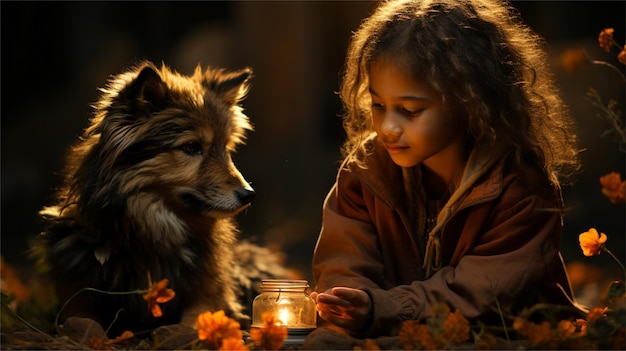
[501, 240]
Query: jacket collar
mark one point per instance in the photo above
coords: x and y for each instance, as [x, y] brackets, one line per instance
[381, 176]
[384, 179]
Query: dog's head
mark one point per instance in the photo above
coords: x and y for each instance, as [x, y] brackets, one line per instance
[161, 139]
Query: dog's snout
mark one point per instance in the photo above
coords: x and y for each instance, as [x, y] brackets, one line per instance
[245, 195]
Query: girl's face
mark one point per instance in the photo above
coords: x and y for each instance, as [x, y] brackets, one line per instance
[408, 117]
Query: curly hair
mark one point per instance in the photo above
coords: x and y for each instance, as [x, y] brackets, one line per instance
[490, 68]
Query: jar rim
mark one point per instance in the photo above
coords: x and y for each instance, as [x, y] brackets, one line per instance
[284, 283]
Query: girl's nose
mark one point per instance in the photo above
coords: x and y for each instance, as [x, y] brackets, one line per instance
[390, 128]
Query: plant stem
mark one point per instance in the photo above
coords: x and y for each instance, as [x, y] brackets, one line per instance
[604, 63]
[506, 333]
[56, 319]
[22, 320]
[616, 260]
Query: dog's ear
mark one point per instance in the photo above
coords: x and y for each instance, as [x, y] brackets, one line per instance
[147, 92]
[231, 87]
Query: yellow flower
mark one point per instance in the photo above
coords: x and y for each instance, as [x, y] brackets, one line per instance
[591, 243]
[613, 187]
[158, 293]
[605, 39]
[271, 336]
[213, 328]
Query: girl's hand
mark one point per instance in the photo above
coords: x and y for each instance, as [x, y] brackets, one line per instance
[344, 307]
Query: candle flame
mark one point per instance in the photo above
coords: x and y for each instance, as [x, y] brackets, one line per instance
[285, 316]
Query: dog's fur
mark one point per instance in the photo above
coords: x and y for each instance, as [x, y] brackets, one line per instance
[150, 191]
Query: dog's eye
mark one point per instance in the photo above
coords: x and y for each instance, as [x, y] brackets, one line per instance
[192, 148]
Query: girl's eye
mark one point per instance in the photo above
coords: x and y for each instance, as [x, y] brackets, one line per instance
[192, 148]
[411, 112]
[377, 106]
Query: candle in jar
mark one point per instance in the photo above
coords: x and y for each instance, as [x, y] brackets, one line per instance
[285, 316]
[287, 301]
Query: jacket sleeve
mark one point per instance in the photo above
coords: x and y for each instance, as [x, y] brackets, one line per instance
[347, 251]
[509, 260]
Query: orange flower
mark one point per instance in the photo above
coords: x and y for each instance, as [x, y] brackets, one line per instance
[591, 243]
[427, 339]
[621, 57]
[618, 339]
[158, 293]
[409, 335]
[595, 314]
[439, 312]
[414, 335]
[605, 39]
[127, 334]
[520, 325]
[233, 344]
[613, 187]
[368, 344]
[456, 328]
[271, 336]
[566, 329]
[572, 60]
[486, 342]
[213, 328]
[581, 326]
[96, 343]
[539, 334]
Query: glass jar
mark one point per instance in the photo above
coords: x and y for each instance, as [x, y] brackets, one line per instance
[288, 301]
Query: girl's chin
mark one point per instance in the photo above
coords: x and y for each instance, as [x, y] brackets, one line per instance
[403, 161]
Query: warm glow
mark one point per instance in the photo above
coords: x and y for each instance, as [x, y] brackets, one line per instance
[285, 316]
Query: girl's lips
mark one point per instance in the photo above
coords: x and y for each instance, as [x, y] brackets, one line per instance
[394, 149]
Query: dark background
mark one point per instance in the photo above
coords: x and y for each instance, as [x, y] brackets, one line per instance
[56, 54]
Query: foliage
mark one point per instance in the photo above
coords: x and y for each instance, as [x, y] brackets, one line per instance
[215, 331]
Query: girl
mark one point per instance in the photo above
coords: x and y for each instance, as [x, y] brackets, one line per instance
[456, 144]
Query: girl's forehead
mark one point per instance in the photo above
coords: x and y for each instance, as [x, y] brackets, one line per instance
[389, 80]
[398, 64]
[402, 60]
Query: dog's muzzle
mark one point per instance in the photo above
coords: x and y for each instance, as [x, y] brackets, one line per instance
[245, 194]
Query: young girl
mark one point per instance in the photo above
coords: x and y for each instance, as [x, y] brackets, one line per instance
[456, 144]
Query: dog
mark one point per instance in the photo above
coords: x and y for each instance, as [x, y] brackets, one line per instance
[150, 191]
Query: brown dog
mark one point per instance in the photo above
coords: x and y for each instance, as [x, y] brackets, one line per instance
[149, 194]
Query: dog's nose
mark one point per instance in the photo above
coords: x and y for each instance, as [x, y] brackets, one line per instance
[245, 195]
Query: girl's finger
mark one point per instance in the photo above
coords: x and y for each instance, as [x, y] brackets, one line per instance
[349, 294]
[332, 300]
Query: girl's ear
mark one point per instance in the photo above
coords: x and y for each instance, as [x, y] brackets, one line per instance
[231, 87]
